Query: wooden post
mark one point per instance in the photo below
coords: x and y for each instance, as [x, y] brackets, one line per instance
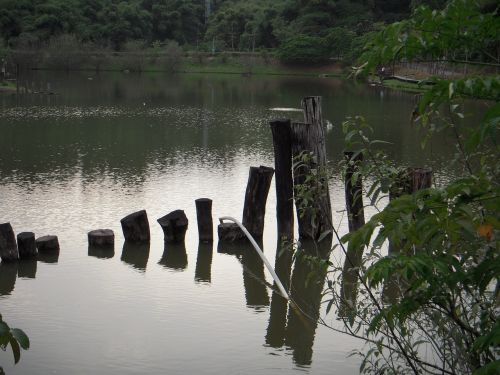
[101, 238]
[47, 244]
[136, 227]
[174, 225]
[309, 138]
[354, 192]
[229, 232]
[8, 245]
[26, 245]
[205, 221]
[282, 141]
[259, 182]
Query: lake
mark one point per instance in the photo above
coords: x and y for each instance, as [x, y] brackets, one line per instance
[103, 146]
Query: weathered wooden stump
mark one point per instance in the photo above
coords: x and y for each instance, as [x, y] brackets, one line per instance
[229, 232]
[282, 141]
[308, 138]
[8, 245]
[136, 227]
[205, 221]
[174, 225]
[47, 244]
[101, 238]
[26, 245]
[254, 209]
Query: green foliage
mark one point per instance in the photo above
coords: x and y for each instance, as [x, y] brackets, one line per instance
[303, 49]
[13, 337]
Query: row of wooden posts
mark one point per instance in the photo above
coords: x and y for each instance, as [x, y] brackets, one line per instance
[290, 139]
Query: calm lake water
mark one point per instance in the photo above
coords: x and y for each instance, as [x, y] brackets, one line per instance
[107, 145]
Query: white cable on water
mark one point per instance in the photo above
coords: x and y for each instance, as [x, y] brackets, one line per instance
[261, 254]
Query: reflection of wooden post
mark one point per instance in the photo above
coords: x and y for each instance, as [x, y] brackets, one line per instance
[8, 245]
[203, 271]
[276, 329]
[174, 256]
[253, 276]
[282, 141]
[309, 137]
[136, 255]
[354, 204]
[204, 217]
[8, 276]
[254, 210]
[136, 227]
[307, 291]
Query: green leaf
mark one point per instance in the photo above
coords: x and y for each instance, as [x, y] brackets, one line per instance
[21, 337]
[15, 349]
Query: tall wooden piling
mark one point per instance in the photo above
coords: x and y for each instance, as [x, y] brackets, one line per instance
[308, 138]
[204, 218]
[282, 141]
[136, 227]
[254, 210]
[8, 245]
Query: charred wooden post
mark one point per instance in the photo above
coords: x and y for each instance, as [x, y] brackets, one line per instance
[8, 245]
[174, 225]
[136, 227]
[229, 232]
[254, 210]
[282, 141]
[308, 142]
[47, 244]
[26, 245]
[204, 218]
[101, 238]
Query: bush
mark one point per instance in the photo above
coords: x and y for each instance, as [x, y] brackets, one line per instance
[65, 52]
[174, 56]
[303, 49]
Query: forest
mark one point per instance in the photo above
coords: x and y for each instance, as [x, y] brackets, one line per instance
[332, 26]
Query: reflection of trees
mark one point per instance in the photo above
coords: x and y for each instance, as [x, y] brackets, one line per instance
[8, 275]
[174, 256]
[136, 255]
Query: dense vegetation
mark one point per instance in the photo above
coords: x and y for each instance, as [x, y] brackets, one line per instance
[199, 24]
